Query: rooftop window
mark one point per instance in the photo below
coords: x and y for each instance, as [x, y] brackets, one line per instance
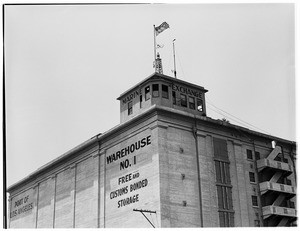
[147, 92]
[174, 97]
[191, 102]
[183, 100]
[165, 91]
[130, 108]
[155, 90]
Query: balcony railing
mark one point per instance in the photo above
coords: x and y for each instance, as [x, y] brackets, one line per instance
[267, 163]
[279, 211]
[267, 185]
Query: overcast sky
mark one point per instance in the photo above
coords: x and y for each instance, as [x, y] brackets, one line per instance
[67, 64]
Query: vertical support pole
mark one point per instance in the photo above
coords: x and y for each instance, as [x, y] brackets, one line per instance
[154, 47]
[98, 179]
[104, 189]
[9, 204]
[102, 170]
[74, 195]
[37, 205]
[98, 190]
[194, 131]
[54, 199]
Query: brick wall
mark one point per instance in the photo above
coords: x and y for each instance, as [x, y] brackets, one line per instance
[46, 204]
[177, 157]
[86, 196]
[64, 199]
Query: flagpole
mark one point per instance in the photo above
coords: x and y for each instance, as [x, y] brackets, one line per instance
[174, 58]
[154, 47]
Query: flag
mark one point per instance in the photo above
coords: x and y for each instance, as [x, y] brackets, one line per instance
[161, 28]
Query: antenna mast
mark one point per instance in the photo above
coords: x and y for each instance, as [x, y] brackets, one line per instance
[174, 58]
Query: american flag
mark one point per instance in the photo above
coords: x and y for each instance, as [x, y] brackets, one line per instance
[161, 28]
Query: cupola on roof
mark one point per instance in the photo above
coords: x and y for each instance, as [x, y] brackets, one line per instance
[163, 90]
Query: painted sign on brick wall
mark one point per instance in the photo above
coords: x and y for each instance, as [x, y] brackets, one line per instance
[22, 210]
[132, 181]
[22, 204]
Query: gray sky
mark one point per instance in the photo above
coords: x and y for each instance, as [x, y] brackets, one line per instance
[66, 65]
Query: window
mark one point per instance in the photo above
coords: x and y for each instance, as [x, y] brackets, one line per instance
[288, 182]
[147, 92]
[222, 172]
[183, 100]
[224, 197]
[249, 154]
[223, 183]
[226, 219]
[191, 102]
[254, 201]
[292, 204]
[155, 92]
[165, 91]
[257, 155]
[174, 97]
[252, 177]
[130, 108]
[199, 105]
[141, 101]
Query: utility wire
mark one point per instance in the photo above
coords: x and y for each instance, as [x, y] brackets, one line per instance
[229, 116]
[240, 121]
[237, 121]
[226, 117]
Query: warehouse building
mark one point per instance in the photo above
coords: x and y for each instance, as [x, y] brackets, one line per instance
[167, 164]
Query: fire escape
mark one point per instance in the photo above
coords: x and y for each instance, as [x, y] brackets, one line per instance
[276, 189]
